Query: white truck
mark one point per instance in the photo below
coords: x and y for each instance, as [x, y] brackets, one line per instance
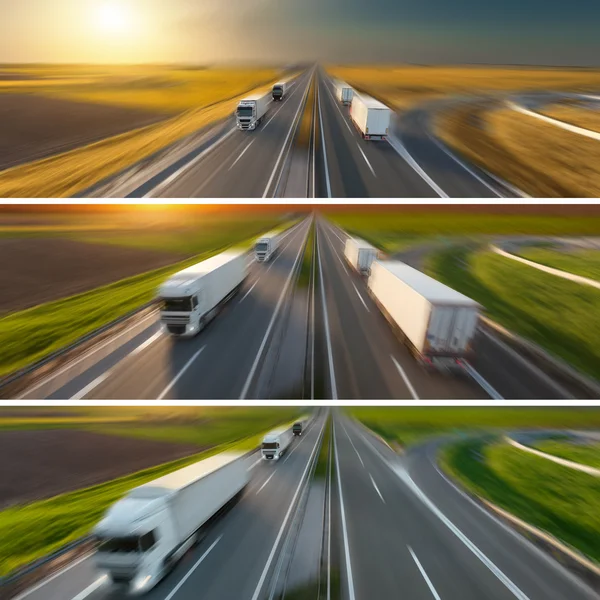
[266, 246]
[360, 255]
[343, 92]
[275, 443]
[143, 535]
[279, 90]
[371, 117]
[436, 322]
[251, 111]
[192, 298]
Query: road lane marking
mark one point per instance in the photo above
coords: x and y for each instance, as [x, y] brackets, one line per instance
[406, 379]
[244, 296]
[358, 294]
[425, 577]
[147, 343]
[329, 520]
[487, 387]
[327, 180]
[340, 110]
[326, 319]
[350, 440]
[254, 464]
[283, 103]
[366, 159]
[263, 576]
[240, 156]
[92, 588]
[349, 577]
[332, 229]
[265, 483]
[180, 374]
[312, 315]
[272, 321]
[81, 394]
[376, 488]
[196, 565]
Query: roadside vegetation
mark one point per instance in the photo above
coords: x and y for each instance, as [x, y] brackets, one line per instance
[573, 113]
[557, 314]
[559, 500]
[577, 451]
[580, 262]
[307, 259]
[31, 531]
[323, 458]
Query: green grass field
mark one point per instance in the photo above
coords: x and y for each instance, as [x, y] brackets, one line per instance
[580, 262]
[35, 530]
[29, 335]
[323, 458]
[588, 454]
[307, 258]
[556, 499]
[408, 425]
[559, 315]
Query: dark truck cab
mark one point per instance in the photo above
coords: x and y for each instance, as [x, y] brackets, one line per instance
[297, 428]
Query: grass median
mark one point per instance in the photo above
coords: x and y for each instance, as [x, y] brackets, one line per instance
[580, 262]
[583, 453]
[556, 499]
[307, 259]
[573, 114]
[32, 531]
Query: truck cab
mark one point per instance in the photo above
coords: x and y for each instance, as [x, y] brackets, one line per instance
[297, 428]
[279, 90]
[264, 248]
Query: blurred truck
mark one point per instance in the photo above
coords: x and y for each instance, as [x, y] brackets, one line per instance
[299, 426]
[275, 443]
[251, 111]
[371, 117]
[143, 535]
[343, 92]
[266, 247]
[436, 322]
[193, 297]
[279, 90]
[360, 255]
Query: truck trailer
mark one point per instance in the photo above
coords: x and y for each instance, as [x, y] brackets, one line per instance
[193, 297]
[343, 92]
[276, 443]
[251, 111]
[143, 535]
[371, 117]
[266, 246]
[279, 90]
[436, 322]
[360, 255]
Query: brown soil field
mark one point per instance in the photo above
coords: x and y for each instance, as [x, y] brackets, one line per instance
[41, 464]
[38, 270]
[35, 127]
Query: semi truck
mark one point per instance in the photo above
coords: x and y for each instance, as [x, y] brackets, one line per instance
[279, 90]
[343, 92]
[143, 535]
[190, 299]
[360, 255]
[275, 443]
[436, 322]
[266, 247]
[371, 117]
[251, 111]
[299, 426]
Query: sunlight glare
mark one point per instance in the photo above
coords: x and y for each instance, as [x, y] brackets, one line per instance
[113, 17]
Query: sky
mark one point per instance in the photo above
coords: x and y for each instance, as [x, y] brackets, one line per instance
[546, 32]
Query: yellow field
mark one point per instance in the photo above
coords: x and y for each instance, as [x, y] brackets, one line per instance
[574, 115]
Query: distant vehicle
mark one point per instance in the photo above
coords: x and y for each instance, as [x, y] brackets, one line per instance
[280, 90]
[144, 534]
[193, 297]
[360, 255]
[266, 247]
[343, 92]
[299, 426]
[436, 322]
[371, 117]
[276, 443]
[251, 111]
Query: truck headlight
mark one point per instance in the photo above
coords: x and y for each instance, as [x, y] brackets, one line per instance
[140, 583]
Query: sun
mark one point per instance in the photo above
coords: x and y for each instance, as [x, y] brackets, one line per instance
[113, 17]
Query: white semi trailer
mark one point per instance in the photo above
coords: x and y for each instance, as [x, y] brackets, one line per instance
[436, 322]
[192, 298]
[143, 535]
[343, 92]
[251, 111]
[266, 246]
[360, 255]
[371, 117]
[275, 443]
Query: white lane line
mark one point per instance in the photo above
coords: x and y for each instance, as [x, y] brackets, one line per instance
[254, 464]
[265, 483]
[196, 565]
[376, 488]
[327, 180]
[263, 576]
[350, 440]
[271, 323]
[147, 343]
[339, 110]
[425, 577]
[81, 394]
[360, 297]
[241, 154]
[366, 159]
[282, 105]
[329, 521]
[349, 577]
[92, 588]
[244, 296]
[180, 374]
[326, 319]
[312, 315]
[406, 379]
[487, 387]
[332, 229]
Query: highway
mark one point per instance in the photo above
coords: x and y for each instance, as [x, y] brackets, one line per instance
[389, 526]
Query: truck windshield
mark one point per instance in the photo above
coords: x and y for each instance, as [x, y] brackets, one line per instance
[123, 544]
[177, 304]
[270, 445]
[297, 427]
[277, 90]
[244, 111]
[261, 247]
